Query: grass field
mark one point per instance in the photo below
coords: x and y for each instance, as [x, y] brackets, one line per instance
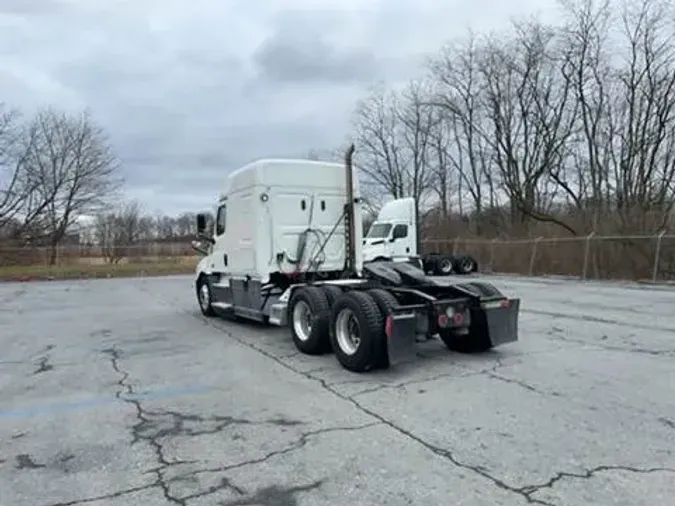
[93, 268]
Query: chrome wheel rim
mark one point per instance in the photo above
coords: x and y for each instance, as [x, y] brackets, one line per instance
[467, 265]
[347, 331]
[302, 320]
[204, 296]
[446, 265]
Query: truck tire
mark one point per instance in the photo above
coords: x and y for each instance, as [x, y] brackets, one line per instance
[429, 263]
[386, 302]
[356, 326]
[332, 293]
[444, 265]
[465, 264]
[465, 343]
[485, 289]
[308, 319]
[204, 296]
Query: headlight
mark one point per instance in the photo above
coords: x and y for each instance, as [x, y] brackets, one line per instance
[450, 312]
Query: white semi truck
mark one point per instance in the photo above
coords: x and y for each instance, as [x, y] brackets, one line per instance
[287, 250]
[394, 237]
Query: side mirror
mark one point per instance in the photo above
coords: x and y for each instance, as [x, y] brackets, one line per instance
[201, 229]
[201, 223]
[393, 238]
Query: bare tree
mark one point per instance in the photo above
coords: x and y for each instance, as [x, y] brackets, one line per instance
[418, 119]
[585, 180]
[116, 230]
[17, 192]
[529, 109]
[458, 94]
[381, 156]
[441, 169]
[72, 166]
[643, 113]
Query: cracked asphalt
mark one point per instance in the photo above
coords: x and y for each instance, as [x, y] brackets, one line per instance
[117, 392]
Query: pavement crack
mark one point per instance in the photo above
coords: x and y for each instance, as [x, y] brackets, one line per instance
[223, 484]
[556, 336]
[301, 442]
[595, 319]
[529, 490]
[438, 451]
[112, 495]
[522, 384]
[142, 416]
[156, 424]
[152, 426]
[667, 422]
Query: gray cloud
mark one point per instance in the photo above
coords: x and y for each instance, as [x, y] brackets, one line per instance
[190, 89]
[31, 6]
[296, 54]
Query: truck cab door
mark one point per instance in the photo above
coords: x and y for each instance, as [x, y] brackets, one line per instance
[218, 255]
[401, 245]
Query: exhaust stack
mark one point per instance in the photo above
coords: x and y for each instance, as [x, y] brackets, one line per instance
[350, 217]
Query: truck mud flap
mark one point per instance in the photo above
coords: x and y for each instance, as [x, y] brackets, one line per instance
[501, 320]
[401, 342]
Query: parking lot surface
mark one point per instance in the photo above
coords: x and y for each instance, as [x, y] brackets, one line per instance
[119, 392]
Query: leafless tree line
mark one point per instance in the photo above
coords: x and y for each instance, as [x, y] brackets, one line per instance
[563, 129]
[54, 167]
[127, 225]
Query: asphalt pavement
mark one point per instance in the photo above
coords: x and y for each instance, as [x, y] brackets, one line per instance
[118, 392]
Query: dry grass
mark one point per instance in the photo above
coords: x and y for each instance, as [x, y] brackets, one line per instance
[87, 268]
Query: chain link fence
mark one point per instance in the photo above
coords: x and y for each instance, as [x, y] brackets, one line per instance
[70, 255]
[637, 257]
[634, 257]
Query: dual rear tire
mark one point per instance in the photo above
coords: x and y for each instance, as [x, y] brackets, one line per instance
[350, 323]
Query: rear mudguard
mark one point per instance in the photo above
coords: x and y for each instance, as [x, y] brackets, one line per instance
[494, 320]
[401, 329]
[497, 321]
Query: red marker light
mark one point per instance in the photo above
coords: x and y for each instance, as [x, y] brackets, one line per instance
[442, 320]
[389, 326]
[458, 319]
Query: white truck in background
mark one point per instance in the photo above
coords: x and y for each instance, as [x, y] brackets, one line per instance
[394, 237]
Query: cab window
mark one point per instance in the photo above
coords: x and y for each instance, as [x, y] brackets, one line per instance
[400, 231]
[221, 219]
[379, 230]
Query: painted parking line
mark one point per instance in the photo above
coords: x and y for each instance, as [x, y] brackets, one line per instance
[94, 402]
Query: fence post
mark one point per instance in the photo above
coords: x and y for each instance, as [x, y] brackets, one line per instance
[492, 254]
[533, 256]
[657, 256]
[587, 251]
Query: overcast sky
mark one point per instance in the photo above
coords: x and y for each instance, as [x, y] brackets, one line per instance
[190, 89]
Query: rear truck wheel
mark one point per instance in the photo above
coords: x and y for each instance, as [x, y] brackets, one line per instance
[429, 263]
[444, 265]
[356, 327]
[386, 303]
[485, 289]
[332, 293]
[204, 296]
[308, 318]
[465, 264]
